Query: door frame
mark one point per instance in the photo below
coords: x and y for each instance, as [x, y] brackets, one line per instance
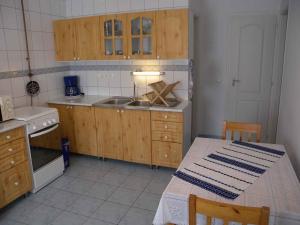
[277, 74]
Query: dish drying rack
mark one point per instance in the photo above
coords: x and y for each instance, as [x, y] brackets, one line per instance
[162, 94]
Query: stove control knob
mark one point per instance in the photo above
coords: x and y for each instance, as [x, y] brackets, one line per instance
[49, 122]
[54, 120]
[33, 127]
[44, 124]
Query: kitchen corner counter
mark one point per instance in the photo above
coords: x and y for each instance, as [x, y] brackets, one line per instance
[10, 125]
[86, 100]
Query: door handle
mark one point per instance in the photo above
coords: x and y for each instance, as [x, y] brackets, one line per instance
[234, 81]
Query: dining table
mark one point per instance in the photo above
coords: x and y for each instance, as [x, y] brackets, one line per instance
[277, 188]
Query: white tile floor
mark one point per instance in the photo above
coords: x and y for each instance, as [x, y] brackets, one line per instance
[93, 192]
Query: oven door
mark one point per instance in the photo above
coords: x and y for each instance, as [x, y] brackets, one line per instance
[45, 146]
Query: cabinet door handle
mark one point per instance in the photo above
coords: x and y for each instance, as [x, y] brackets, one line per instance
[166, 155]
[16, 183]
[124, 57]
[128, 57]
[118, 111]
[166, 116]
[166, 137]
[158, 57]
[12, 162]
[74, 58]
[10, 149]
[122, 111]
[8, 137]
[166, 126]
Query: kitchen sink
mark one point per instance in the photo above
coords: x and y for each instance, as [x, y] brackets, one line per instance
[114, 101]
[140, 103]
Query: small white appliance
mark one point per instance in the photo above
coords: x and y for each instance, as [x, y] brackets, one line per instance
[6, 108]
[47, 163]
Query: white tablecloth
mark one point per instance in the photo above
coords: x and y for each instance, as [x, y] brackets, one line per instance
[278, 189]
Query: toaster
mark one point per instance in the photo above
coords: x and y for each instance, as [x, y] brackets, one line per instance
[6, 108]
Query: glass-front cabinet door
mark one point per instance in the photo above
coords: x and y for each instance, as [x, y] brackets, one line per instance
[141, 36]
[113, 37]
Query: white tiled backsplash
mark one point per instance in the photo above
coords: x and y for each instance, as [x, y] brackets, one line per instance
[120, 83]
[39, 15]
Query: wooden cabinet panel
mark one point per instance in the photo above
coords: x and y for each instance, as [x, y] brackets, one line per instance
[65, 40]
[113, 36]
[12, 148]
[166, 154]
[167, 116]
[11, 135]
[88, 38]
[172, 38]
[141, 35]
[136, 136]
[167, 136]
[85, 130]
[109, 132]
[167, 126]
[14, 183]
[12, 161]
[66, 124]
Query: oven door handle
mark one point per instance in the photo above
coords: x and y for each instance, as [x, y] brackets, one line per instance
[44, 131]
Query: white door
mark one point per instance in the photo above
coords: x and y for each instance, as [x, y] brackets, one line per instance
[250, 69]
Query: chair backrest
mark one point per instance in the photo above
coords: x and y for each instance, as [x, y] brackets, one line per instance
[226, 212]
[242, 128]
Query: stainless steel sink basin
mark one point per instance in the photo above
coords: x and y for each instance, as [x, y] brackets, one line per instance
[114, 101]
[139, 103]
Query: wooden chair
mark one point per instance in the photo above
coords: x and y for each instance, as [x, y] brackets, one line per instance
[226, 212]
[241, 128]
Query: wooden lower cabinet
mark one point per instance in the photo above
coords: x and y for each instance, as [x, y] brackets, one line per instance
[15, 173]
[109, 133]
[136, 136]
[166, 153]
[85, 130]
[77, 123]
[124, 134]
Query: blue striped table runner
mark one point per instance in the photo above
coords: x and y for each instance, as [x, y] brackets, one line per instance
[230, 170]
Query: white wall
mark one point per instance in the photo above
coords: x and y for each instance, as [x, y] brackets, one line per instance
[39, 16]
[210, 56]
[288, 131]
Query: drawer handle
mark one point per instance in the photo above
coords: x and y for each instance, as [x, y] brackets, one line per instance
[16, 183]
[166, 116]
[166, 126]
[166, 155]
[10, 149]
[166, 137]
[8, 137]
[12, 162]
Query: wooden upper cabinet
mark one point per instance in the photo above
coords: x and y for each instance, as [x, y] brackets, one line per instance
[77, 39]
[85, 130]
[65, 40]
[113, 37]
[136, 135]
[172, 38]
[141, 35]
[88, 43]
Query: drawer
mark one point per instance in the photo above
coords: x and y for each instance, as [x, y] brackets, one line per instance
[167, 136]
[167, 126]
[13, 160]
[12, 148]
[11, 135]
[14, 183]
[167, 116]
[166, 154]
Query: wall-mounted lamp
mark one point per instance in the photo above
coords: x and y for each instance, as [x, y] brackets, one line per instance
[147, 73]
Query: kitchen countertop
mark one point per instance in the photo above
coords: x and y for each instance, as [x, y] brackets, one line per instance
[10, 125]
[90, 100]
[85, 100]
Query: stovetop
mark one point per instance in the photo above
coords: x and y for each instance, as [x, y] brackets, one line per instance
[32, 112]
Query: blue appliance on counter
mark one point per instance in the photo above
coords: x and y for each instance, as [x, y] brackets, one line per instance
[71, 86]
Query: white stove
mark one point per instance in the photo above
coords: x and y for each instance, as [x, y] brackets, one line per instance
[47, 162]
